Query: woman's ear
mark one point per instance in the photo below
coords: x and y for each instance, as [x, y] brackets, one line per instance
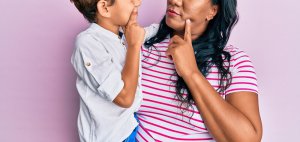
[212, 12]
[103, 8]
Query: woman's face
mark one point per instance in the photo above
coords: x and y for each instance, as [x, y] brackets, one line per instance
[198, 11]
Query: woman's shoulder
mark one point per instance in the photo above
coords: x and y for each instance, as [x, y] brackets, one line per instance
[232, 49]
[237, 54]
[153, 26]
[151, 31]
[242, 71]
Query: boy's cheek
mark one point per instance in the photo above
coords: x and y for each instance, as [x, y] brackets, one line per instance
[137, 2]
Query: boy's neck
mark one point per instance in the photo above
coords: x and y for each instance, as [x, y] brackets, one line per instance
[109, 26]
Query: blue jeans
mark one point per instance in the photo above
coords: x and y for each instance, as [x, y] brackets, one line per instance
[131, 138]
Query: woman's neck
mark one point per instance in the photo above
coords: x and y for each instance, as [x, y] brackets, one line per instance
[181, 34]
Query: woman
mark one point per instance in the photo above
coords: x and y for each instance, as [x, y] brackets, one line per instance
[195, 87]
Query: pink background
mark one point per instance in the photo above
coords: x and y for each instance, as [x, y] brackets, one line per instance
[38, 98]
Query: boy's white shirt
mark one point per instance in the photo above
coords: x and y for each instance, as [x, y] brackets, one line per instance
[98, 59]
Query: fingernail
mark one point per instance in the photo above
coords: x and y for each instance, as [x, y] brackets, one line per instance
[188, 21]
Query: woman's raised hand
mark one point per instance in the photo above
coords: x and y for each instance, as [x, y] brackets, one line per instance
[181, 51]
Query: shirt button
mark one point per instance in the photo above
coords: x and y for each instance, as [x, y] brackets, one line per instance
[112, 60]
[88, 64]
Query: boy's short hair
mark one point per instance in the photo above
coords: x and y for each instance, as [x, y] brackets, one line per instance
[88, 8]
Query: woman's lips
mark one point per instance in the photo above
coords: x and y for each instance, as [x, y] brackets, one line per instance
[171, 12]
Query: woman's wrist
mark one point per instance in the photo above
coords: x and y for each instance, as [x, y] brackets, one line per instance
[191, 76]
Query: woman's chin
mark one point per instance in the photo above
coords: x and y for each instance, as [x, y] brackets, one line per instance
[175, 25]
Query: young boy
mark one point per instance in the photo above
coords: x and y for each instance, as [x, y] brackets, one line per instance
[108, 73]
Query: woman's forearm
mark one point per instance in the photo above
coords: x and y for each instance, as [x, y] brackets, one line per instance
[223, 120]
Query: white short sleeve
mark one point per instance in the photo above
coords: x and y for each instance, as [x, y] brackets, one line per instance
[151, 31]
[243, 74]
[94, 65]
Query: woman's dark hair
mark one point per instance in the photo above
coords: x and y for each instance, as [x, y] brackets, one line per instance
[88, 8]
[209, 48]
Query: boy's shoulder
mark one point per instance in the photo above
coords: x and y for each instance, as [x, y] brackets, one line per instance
[88, 42]
[88, 36]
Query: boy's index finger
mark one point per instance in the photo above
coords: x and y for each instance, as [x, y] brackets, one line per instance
[187, 31]
[133, 16]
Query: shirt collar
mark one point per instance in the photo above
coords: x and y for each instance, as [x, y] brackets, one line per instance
[100, 31]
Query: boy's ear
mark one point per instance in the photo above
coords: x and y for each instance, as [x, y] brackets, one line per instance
[103, 8]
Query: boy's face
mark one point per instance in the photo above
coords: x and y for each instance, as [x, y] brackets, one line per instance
[121, 11]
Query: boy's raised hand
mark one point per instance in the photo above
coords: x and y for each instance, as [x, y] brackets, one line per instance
[134, 35]
[133, 32]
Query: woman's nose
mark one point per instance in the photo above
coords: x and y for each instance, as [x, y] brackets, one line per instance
[175, 2]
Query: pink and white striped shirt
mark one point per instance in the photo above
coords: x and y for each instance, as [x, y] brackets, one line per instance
[159, 115]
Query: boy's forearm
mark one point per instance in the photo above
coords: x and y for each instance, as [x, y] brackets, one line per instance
[131, 69]
[130, 78]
